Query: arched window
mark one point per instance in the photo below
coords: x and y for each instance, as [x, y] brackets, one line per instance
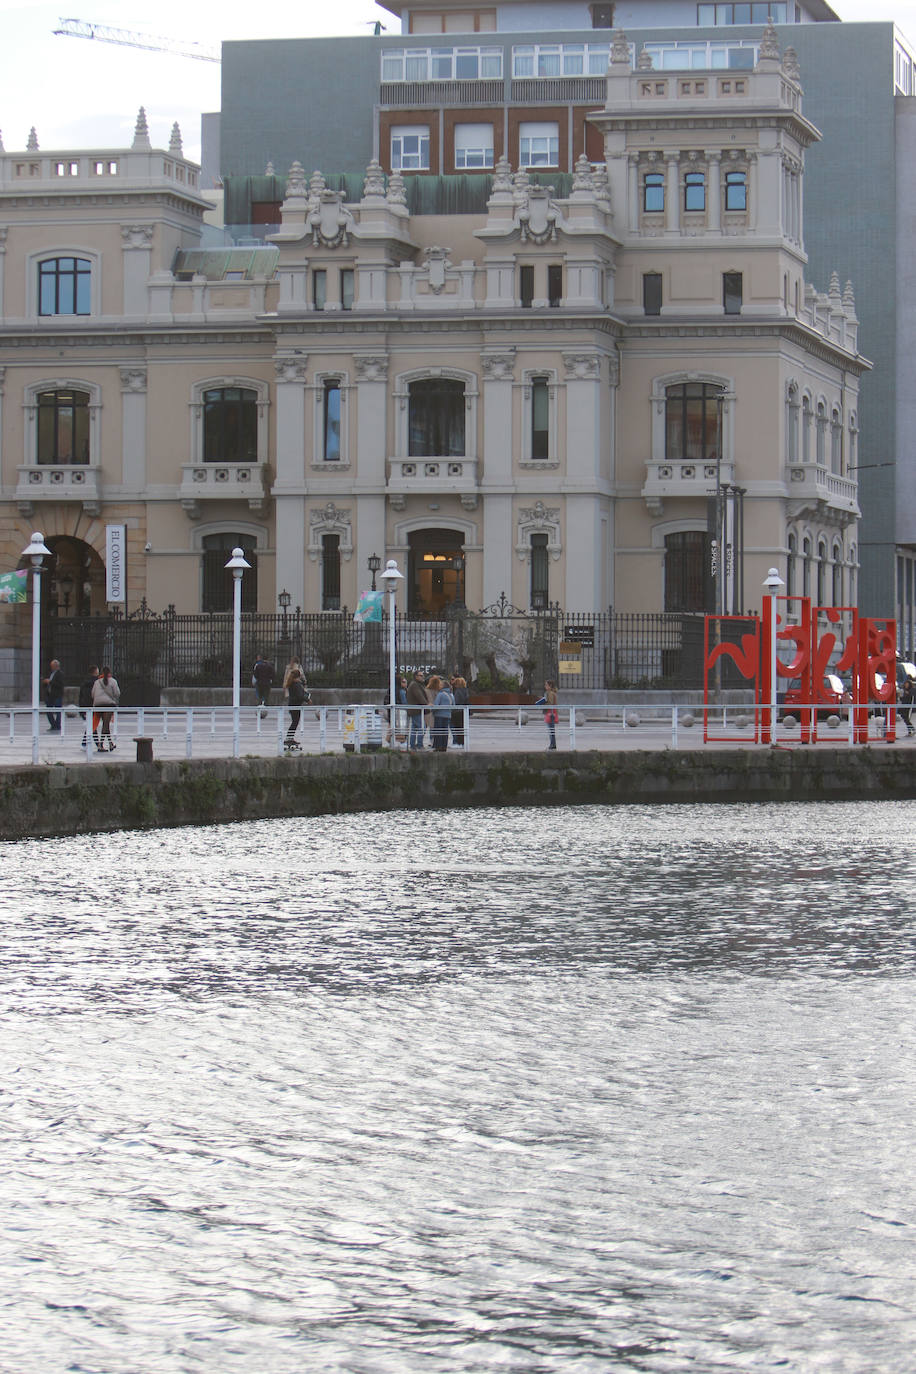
[688, 571]
[806, 566]
[436, 407]
[837, 576]
[693, 421]
[806, 430]
[821, 573]
[216, 589]
[63, 427]
[852, 452]
[792, 424]
[230, 425]
[695, 191]
[790, 565]
[653, 193]
[736, 190]
[836, 442]
[64, 286]
[540, 417]
[821, 451]
[330, 427]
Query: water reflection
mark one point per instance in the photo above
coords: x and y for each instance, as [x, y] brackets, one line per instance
[623, 1088]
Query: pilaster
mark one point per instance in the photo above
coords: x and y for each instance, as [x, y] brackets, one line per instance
[133, 428]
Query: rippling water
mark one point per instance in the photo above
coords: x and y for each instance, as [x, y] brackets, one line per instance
[602, 1089]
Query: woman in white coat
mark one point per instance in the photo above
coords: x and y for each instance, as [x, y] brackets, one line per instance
[105, 693]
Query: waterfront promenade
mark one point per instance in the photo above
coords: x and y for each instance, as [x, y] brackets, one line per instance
[204, 733]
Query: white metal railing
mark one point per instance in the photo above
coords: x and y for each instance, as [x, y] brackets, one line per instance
[188, 732]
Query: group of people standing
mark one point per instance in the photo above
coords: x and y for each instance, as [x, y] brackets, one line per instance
[435, 704]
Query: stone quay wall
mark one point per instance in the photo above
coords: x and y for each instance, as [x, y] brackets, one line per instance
[81, 798]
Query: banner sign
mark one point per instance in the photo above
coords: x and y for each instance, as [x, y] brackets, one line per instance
[13, 586]
[116, 563]
[369, 606]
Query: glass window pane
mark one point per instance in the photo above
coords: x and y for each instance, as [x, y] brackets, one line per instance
[706, 15]
[417, 66]
[491, 65]
[392, 66]
[466, 66]
[332, 422]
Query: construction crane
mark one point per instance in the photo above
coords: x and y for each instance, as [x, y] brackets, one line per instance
[126, 38]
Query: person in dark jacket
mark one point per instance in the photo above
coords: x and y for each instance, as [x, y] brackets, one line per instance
[907, 701]
[297, 696]
[442, 700]
[262, 678]
[417, 701]
[54, 696]
[85, 701]
[462, 698]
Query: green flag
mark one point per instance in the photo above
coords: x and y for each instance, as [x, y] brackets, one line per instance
[13, 586]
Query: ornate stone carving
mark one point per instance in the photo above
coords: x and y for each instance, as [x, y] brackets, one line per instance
[769, 43]
[469, 500]
[620, 48]
[330, 520]
[397, 501]
[583, 177]
[498, 367]
[175, 141]
[790, 64]
[295, 181]
[538, 218]
[141, 132]
[32, 143]
[291, 369]
[374, 184]
[371, 367]
[538, 519]
[133, 379]
[397, 190]
[436, 261]
[644, 61]
[136, 235]
[502, 175]
[329, 222]
[581, 366]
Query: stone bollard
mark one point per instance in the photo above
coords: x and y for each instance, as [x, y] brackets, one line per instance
[144, 749]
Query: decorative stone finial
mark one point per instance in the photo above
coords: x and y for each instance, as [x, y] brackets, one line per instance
[175, 141]
[601, 185]
[582, 176]
[790, 64]
[295, 181]
[32, 145]
[769, 43]
[833, 290]
[397, 191]
[374, 184]
[620, 49]
[502, 174]
[269, 169]
[317, 184]
[849, 299]
[644, 61]
[141, 131]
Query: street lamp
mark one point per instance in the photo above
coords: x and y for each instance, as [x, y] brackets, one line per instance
[771, 587]
[391, 577]
[373, 563]
[36, 553]
[458, 565]
[236, 566]
[283, 601]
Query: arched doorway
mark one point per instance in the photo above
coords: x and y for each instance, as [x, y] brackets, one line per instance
[73, 584]
[435, 571]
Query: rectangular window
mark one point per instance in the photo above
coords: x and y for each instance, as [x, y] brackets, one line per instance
[410, 148]
[652, 293]
[64, 286]
[540, 417]
[539, 569]
[330, 572]
[695, 191]
[526, 286]
[346, 288]
[319, 288]
[331, 421]
[554, 284]
[539, 145]
[602, 16]
[473, 145]
[758, 12]
[736, 190]
[732, 292]
[653, 193]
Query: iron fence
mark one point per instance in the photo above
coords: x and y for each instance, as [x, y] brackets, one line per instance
[501, 648]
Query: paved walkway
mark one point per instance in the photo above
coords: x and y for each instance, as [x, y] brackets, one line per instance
[490, 732]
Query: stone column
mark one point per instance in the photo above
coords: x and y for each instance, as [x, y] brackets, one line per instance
[133, 429]
[496, 479]
[136, 252]
[3, 232]
[633, 193]
[714, 193]
[672, 197]
[290, 485]
[583, 374]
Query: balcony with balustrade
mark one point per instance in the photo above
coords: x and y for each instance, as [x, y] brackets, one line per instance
[59, 482]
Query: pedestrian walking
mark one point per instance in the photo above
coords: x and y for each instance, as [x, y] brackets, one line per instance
[106, 694]
[551, 714]
[54, 696]
[907, 701]
[85, 702]
[262, 678]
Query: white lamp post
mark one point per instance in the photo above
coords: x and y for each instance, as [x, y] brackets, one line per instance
[237, 566]
[36, 553]
[391, 577]
[771, 586]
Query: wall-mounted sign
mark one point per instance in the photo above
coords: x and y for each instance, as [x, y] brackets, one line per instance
[116, 563]
[570, 660]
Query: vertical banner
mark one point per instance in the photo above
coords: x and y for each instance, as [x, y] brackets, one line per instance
[116, 563]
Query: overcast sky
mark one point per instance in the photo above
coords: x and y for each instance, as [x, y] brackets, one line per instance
[81, 94]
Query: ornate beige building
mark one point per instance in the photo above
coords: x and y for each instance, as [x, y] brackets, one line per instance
[627, 396]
